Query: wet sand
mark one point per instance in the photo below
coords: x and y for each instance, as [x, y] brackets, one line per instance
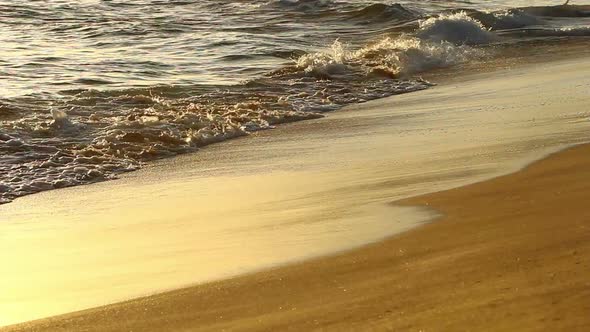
[509, 254]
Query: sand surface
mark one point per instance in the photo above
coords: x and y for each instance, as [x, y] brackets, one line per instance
[509, 254]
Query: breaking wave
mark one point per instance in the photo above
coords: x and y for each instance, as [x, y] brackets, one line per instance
[389, 57]
[458, 28]
[438, 42]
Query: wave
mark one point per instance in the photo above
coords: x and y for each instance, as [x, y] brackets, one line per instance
[87, 142]
[526, 16]
[558, 11]
[438, 42]
[86, 135]
[505, 20]
[390, 57]
[94, 136]
[304, 5]
[383, 12]
[457, 28]
[345, 11]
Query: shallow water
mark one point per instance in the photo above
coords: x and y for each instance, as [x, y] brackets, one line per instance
[91, 89]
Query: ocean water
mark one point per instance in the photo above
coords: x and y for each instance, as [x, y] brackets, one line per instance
[90, 89]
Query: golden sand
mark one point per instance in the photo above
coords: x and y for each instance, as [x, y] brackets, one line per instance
[510, 254]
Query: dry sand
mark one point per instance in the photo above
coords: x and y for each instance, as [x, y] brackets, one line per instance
[510, 254]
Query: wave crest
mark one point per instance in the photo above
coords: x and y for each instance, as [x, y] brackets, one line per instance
[559, 11]
[504, 20]
[457, 28]
[408, 55]
[391, 57]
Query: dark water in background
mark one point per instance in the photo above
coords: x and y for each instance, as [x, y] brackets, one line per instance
[90, 89]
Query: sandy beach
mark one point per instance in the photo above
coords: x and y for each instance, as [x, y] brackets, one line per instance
[509, 254]
[300, 165]
[505, 254]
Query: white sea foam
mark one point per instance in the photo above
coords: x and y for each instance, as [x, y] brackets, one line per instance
[409, 55]
[326, 63]
[439, 42]
[393, 57]
[119, 142]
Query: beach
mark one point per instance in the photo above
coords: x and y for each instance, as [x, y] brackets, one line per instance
[509, 253]
[294, 165]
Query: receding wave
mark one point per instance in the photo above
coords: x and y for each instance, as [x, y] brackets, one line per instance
[83, 141]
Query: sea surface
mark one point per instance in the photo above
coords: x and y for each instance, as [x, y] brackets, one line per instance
[90, 89]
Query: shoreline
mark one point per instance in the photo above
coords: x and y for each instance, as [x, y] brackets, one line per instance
[377, 107]
[478, 273]
[456, 74]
